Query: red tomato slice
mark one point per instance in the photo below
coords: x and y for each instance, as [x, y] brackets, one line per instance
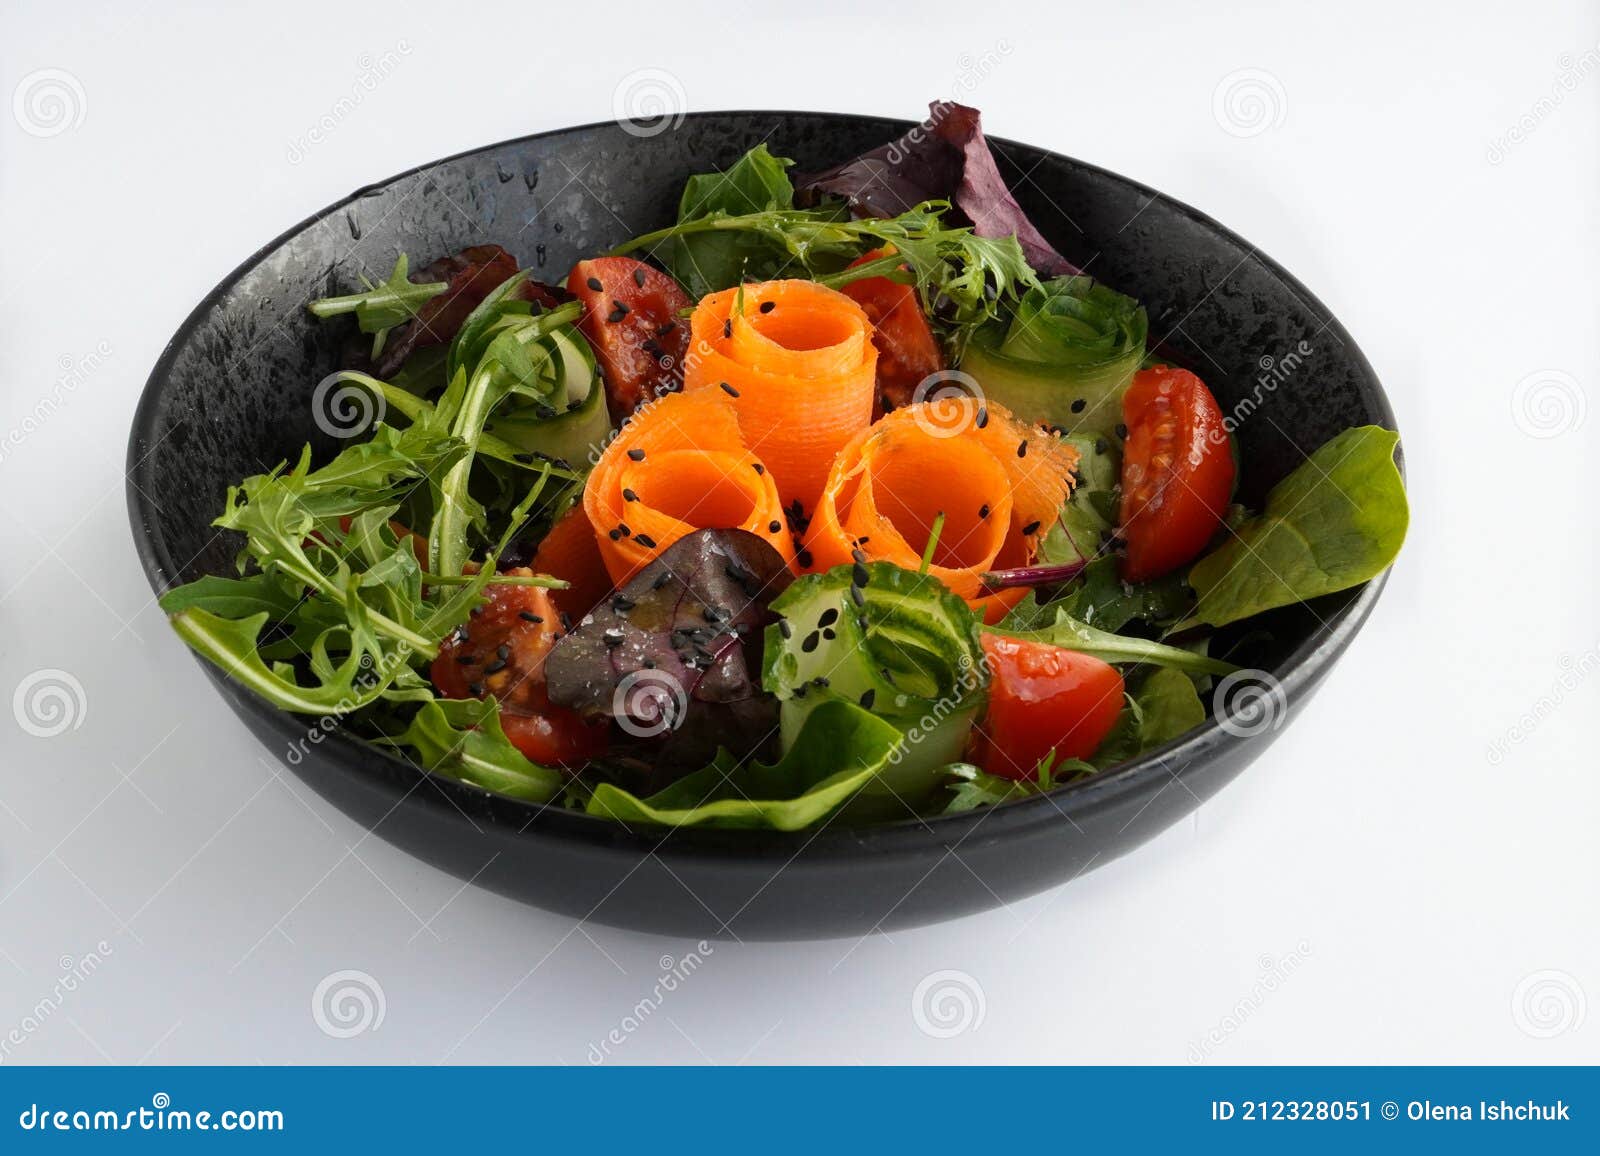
[1177, 471]
[1043, 699]
[630, 316]
[501, 652]
[907, 350]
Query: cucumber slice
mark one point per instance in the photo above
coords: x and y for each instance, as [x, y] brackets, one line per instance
[567, 382]
[902, 646]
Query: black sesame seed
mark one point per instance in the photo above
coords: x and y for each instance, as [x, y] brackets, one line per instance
[614, 534]
[622, 604]
[502, 651]
[821, 681]
[785, 629]
[829, 634]
[529, 616]
[636, 454]
[621, 308]
[495, 667]
[566, 621]
[475, 690]
[649, 664]
[774, 526]
[866, 698]
[1030, 528]
[804, 558]
[859, 556]
[622, 528]
[858, 596]
[716, 614]
[727, 328]
[810, 642]
[594, 283]
[1078, 404]
[729, 390]
[666, 329]
[1022, 449]
[859, 575]
[661, 580]
[638, 277]
[645, 540]
[628, 495]
[768, 306]
[616, 315]
[1122, 430]
[758, 467]
[983, 416]
[1099, 445]
[983, 510]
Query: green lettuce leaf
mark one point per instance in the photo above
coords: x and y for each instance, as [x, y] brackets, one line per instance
[839, 750]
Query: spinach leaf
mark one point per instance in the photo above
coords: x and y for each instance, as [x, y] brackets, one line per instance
[838, 752]
[1335, 522]
[705, 262]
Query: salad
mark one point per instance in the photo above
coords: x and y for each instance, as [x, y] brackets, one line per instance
[843, 497]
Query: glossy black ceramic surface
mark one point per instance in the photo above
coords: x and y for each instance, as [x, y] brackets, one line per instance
[231, 397]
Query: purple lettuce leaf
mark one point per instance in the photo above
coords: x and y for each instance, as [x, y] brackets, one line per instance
[943, 158]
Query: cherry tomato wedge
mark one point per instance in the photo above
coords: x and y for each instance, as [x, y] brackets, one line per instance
[1043, 699]
[907, 350]
[1177, 471]
[501, 652]
[630, 316]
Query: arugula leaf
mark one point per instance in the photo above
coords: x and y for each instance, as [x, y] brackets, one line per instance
[233, 646]
[1068, 633]
[963, 280]
[1336, 521]
[838, 752]
[382, 307]
[463, 738]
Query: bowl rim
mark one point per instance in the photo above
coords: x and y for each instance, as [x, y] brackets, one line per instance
[1296, 673]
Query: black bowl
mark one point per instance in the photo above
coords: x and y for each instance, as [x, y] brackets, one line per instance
[230, 397]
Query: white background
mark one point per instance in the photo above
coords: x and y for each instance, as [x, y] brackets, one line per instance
[1412, 881]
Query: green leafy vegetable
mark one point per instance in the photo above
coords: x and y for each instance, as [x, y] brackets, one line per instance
[1066, 357]
[742, 224]
[462, 737]
[839, 751]
[1336, 521]
[384, 306]
[1068, 633]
